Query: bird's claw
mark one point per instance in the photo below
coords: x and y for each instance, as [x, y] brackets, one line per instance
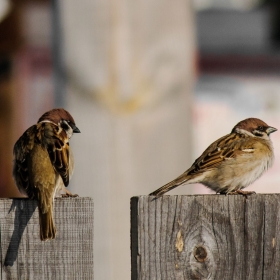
[68, 194]
[244, 193]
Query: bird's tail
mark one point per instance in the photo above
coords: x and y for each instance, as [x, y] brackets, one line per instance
[170, 186]
[47, 227]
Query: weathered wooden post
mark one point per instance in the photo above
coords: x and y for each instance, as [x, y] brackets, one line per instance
[25, 256]
[206, 237]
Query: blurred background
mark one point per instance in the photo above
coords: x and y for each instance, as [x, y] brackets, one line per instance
[150, 85]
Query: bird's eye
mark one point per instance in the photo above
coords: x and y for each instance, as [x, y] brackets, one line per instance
[260, 128]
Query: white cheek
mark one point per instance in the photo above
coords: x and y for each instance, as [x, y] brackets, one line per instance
[69, 132]
[266, 137]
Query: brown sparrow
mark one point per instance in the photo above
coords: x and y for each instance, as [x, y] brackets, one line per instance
[232, 162]
[43, 163]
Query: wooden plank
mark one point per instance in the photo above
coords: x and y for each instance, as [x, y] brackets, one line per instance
[271, 248]
[206, 237]
[254, 237]
[25, 256]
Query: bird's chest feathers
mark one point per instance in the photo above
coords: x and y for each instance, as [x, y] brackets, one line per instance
[258, 161]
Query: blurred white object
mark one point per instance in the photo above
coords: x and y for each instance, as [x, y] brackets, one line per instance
[131, 69]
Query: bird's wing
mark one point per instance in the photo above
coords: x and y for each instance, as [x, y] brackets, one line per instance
[57, 144]
[225, 148]
[21, 152]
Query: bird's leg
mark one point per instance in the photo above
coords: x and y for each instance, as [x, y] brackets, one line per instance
[244, 193]
[68, 193]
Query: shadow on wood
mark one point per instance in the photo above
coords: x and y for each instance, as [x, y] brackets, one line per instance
[25, 256]
[24, 210]
[206, 237]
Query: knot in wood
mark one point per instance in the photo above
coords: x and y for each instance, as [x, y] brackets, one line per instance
[200, 253]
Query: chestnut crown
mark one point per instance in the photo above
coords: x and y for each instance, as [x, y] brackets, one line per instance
[61, 118]
[255, 126]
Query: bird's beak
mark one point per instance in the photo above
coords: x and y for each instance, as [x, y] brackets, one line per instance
[76, 129]
[270, 130]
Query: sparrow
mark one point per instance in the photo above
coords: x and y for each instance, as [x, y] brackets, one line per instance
[43, 164]
[232, 162]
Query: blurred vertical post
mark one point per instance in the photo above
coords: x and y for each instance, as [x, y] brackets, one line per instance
[57, 48]
[130, 72]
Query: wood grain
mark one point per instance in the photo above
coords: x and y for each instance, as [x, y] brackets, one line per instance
[206, 237]
[25, 256]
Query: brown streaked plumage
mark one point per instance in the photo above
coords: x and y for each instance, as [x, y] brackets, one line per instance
[232, 162]
[43, 163]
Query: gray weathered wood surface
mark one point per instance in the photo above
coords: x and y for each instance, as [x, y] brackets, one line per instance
[206, 237]
[25, 256]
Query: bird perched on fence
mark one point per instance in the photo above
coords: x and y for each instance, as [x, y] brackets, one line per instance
[43, 163]
[232, 162]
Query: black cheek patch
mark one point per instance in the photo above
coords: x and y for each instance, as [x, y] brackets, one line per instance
[257, 133]
[64, 126]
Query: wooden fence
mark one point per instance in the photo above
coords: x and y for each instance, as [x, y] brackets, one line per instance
[206, 237]
[25, 256]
